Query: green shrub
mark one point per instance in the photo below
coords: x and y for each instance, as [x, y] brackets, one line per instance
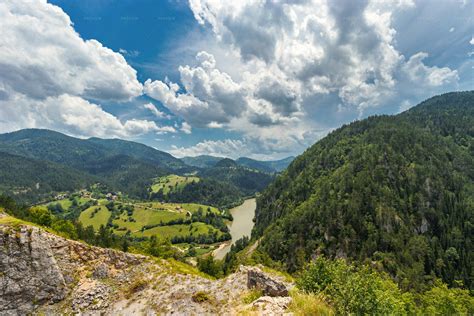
[360, 290]
[352, 290]
[200, 297]
[441, 300]
[251, 296]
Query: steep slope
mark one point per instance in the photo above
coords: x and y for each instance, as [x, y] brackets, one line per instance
[123, 165]
[265, 166]
[397, 191]
[270, 166]
[51, 146]
[279, 165]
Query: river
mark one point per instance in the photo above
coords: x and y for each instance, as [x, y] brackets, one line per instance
[241, 225]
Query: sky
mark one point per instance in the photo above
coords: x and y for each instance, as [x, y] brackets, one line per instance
[257, 78]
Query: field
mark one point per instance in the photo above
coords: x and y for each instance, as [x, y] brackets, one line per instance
[156, 213]
[180, 222]
[65, 203]
[172, 183]
[179, 230]
[95, 216]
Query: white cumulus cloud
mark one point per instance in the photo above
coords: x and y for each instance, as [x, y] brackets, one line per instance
[43, 56]
[52, 78]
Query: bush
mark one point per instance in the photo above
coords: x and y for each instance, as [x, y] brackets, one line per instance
[210, 266]
[200, 297]
[443, 301]
[360, 290]
[352, 290]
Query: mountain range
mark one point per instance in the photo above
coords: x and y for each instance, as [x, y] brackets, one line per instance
[50, 162]
[270, 166]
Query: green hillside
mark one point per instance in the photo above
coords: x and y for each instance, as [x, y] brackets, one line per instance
[248, 181]
[269, 166]
[172, 183]
[79, 153]
[33, 178]
[202, 161]
[393, 191]
[121, 165]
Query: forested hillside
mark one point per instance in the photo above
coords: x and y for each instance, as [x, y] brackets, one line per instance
[248, 181]
[120, 165]
[80, 153]
[393, 191]
[268, 166]
[33, 178]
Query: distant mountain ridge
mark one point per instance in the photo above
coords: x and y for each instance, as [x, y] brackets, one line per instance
[122, 165]
[270, 166]
[54, 146]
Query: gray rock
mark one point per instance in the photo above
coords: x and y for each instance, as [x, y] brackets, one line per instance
[101, 271]
[256, 278]
[267, 305]
[29, 274]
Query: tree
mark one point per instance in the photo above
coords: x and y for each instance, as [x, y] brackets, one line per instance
[40, 216]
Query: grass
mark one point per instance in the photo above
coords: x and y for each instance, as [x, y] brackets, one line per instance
[172, 183]
[177, 207]
[308, 305]
[66, 203]
[16, 223]
[99, 218]
[178, 267]
[12, 221]
[136, 286]
[178, 230]
[147, 216]
[251, 296]
[202, 251]
[154, 213]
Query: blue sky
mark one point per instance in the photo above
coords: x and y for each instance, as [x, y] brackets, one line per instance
[263, 79]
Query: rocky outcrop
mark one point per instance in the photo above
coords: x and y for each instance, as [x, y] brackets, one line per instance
[42, 273]
[29, 274]
[38, 268]
[257, 279]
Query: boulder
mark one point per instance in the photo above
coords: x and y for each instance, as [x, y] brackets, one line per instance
[257, 279]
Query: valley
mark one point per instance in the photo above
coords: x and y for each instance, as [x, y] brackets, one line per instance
[184, 225]
[375, 218]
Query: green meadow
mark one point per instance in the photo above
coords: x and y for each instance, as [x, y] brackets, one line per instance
[144, 219]
[95, 216]
[172, 183]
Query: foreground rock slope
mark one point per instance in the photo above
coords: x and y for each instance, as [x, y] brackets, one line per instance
[42, 273]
